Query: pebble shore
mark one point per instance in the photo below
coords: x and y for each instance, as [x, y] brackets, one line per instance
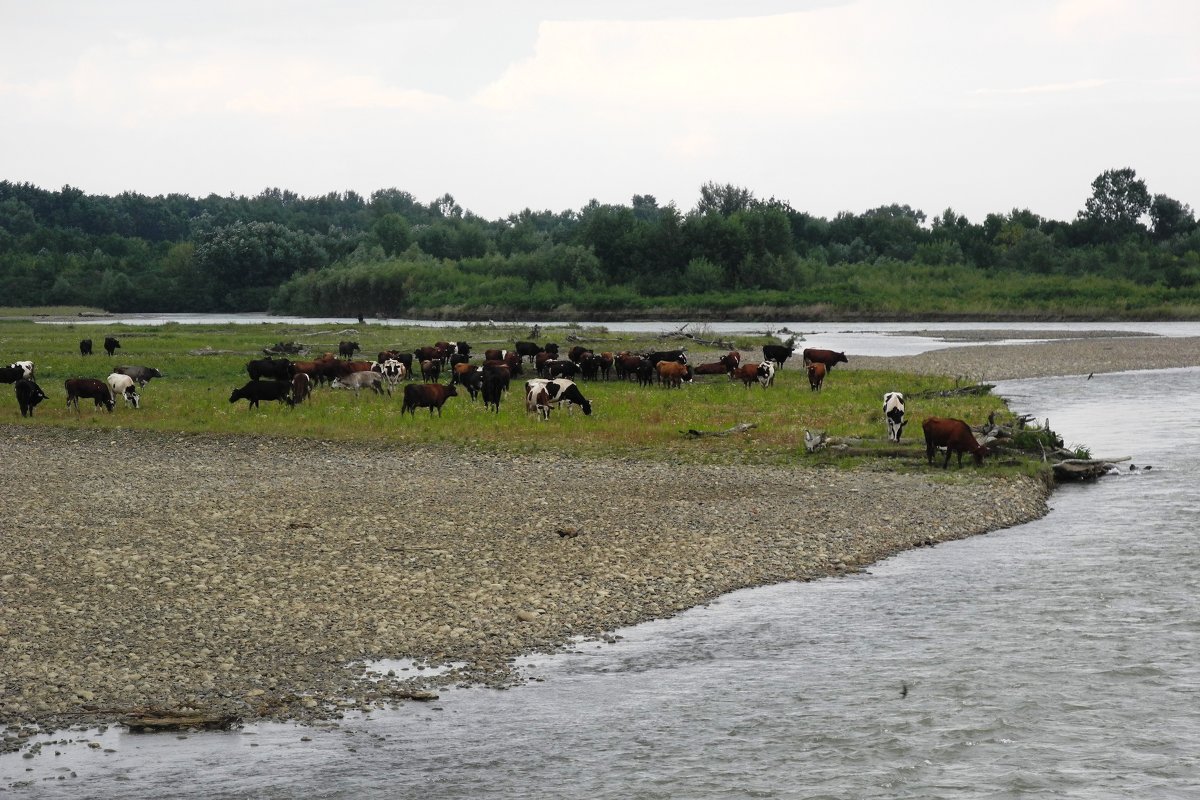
[254, 577]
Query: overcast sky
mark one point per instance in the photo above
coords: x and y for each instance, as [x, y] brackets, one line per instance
[830, 105]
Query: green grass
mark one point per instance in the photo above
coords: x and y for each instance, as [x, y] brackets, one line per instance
[628, 420]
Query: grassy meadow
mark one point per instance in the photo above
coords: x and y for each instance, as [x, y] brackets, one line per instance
[202, 364]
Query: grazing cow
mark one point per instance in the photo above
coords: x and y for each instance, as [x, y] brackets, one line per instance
[494, 384]
[280, 370]
[29, 394]
[816, 375]
[85, 347]
[301, 387]
[893, 412]
[110, 345]
[628, 365]
[431, 370]
[513, 361]
[562, 390]
[257, 390]
[779, 353]
[527, 350]
[672, 374]
[88, 388]
[427, 395]
[124, 386]
[747, 373]
[472, 381]
[541, 360]
[140, 374]
[362, 379]
[766, 374]
[347, 349]
[954, 435]
[826, 357]
[393, 372]
[666, 355]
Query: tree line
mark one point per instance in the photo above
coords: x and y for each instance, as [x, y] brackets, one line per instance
[1127, 252]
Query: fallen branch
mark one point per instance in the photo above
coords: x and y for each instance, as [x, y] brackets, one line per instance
[741, 427]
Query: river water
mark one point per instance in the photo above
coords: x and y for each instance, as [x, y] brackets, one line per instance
[1054, 659]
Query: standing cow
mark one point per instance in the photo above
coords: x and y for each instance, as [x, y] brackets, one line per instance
[29, 394]
[85, 347]
[111, 344]
[90, 389]
[123, 386]
[893, 413]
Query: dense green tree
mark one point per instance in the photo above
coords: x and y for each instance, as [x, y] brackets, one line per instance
[1170, 218]
[1119, 201]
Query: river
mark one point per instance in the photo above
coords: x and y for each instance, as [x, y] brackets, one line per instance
[1054, 659]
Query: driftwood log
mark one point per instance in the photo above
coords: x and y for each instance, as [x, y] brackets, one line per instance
[151, 721]
[1083, 469]
[741, 427]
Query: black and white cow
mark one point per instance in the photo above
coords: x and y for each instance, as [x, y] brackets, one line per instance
[124, 386]
[29, 394]
[563, 390]
[140, 374]
[893, 413]
[393, 372]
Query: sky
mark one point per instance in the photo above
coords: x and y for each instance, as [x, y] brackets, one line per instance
[829, 105]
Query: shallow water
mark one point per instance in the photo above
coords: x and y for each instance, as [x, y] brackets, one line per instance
[1055, 659]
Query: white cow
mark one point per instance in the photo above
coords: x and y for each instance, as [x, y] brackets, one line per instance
[766, 373]
[366, 379]
[893, 412]
[123, 386]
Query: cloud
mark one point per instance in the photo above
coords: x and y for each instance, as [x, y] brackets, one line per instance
[1051, 88]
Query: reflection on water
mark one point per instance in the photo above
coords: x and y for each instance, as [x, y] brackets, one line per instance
[1052, 659]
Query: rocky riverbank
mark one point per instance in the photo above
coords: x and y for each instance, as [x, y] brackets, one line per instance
[253, 577]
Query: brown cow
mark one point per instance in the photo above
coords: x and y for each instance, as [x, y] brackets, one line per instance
[747, 373]
[826, 357]
[725, 365]
[301, 386]
[816, 375]
[426, 395]
[954, 435]
[672, 374]
[90, 389]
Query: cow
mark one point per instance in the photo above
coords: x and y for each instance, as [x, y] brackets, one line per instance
[431, 370]
[561, 368]
[110, 345]
[605, 363]
[26, 368]
[85, 347]
[954, 435]
[393, 372]
[779, 353]
[501, 371]
[628, 365]
[29, 394]
[91, 389]
[747, 373]
[541, 360]
[494, 383]
[301, 387]
[362, 379]
[427, 395]
[826, 357]
[537, 399]
[893, 413]
[666, 355]
[576, 353]
[405, 359]
[472, 381]
[816, 375]
[494, 354]
[280, 370]
[257, 390]
[347, 349]
[766, 374]
[589, 366]
[123, 386]
[140, 374]
[646, 372]
[527, 350]
[725, 365]
[12, 373]
[427, 353]
[672, 374]
[562, 390]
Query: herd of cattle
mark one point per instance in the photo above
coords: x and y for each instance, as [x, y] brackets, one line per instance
[292, 381]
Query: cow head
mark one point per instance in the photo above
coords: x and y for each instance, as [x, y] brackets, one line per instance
[237, 395]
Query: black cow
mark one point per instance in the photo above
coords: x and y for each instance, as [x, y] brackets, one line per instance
[88, 388]
[527, 350]
[280, 370]
[666, 355]
[346, 349]
[85, 347]
[257, 390]
[140, 374]
[29, 394]
[494, 384]
[473, 382]
[11, 374]
[110, 345]
[779, 353]
[561, 368]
